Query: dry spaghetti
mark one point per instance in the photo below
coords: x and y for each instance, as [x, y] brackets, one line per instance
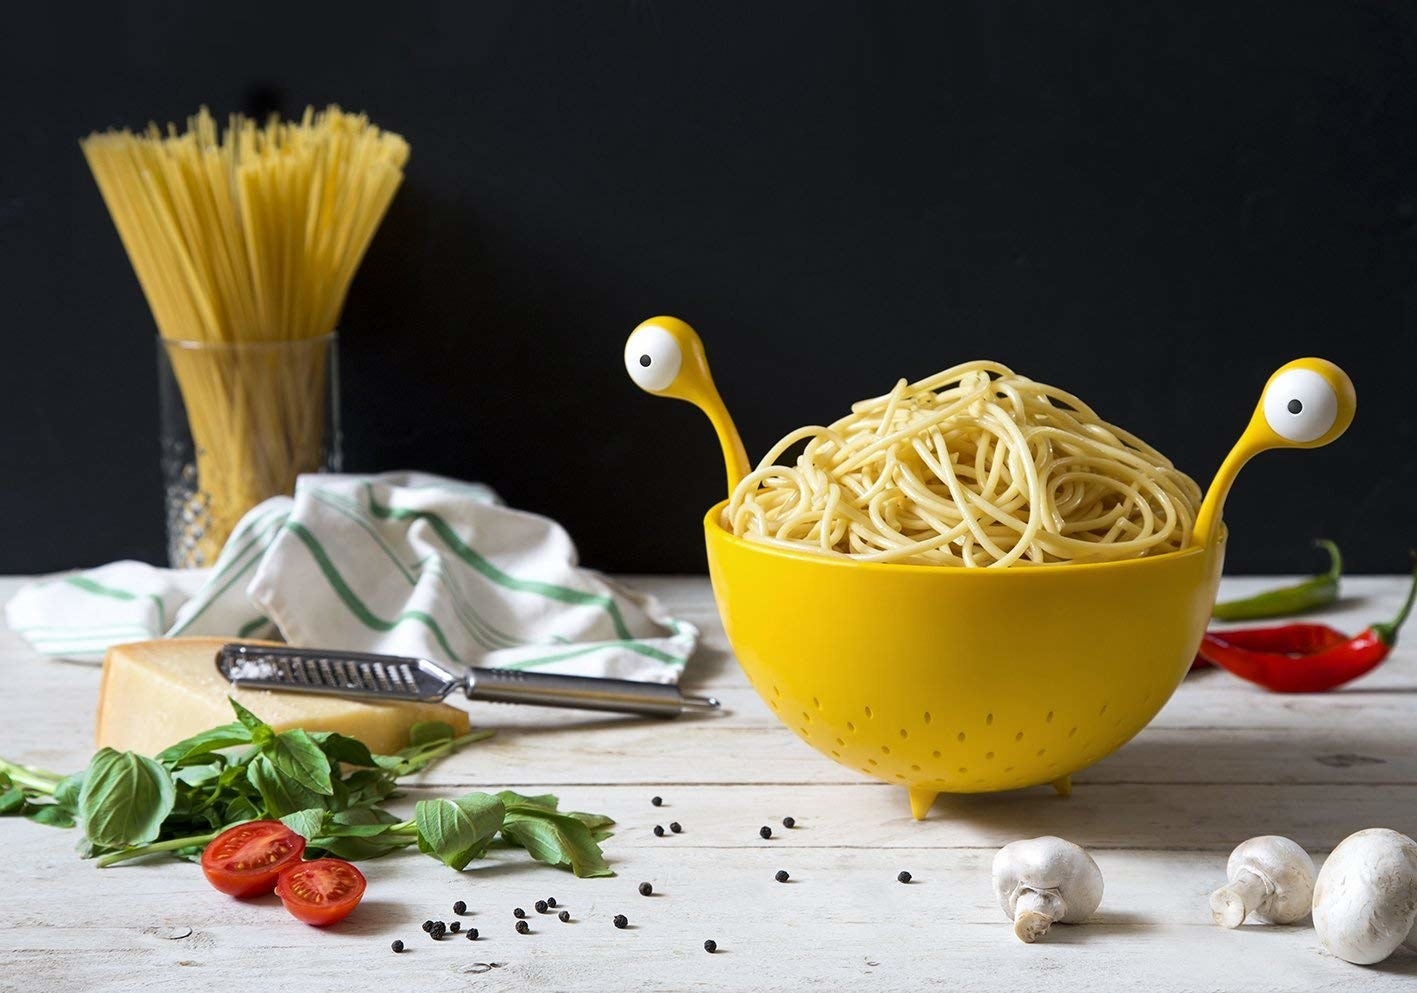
[974, 466]
[246, 240]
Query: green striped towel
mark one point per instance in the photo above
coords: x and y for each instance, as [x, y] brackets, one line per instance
[401, 563]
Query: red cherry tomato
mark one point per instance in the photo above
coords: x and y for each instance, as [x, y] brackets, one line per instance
[321, 892]
[246, 860]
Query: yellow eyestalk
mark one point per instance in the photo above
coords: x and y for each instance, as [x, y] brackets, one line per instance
[664, 356]
[1306, 404]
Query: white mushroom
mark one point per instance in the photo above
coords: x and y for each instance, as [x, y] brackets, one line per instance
[1042, 880]
[1365, 900]
[1271, 878]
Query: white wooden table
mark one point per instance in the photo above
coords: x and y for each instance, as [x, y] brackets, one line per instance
[1223, 761]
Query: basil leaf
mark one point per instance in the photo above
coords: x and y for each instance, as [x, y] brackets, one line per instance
[280, 794]
[51, 814]
[355, 820]
[307, 823]
[124, 799]
[12, 800]
[209, 741]
[350, 751]
[261, 732]
[353, 849]
[545, 801]
[295, 755]
[66, 794]
[457, 831]
[427, 732]
[559, 840]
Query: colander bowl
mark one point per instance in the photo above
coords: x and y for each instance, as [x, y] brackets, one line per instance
[961, 680]
[941, 678]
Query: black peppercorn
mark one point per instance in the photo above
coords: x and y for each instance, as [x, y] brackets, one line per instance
[658, 801]
[764, 832]
[541, 906]
[439, 929]
[519, 913]
[523, 927]
[472, 934]
[789, 822]
[460, 907]
[646, 889]
[551, 901]
[710, 946]
[455, 927]
[904, 877]
[781, 876]
[427, 926]
[397, 946]
[675, 826]
[658, 831]
[621, 921]
[564, 916]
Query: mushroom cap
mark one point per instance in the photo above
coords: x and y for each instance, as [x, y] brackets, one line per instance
[1288, 874]
[1365, 899]
[1048, 864]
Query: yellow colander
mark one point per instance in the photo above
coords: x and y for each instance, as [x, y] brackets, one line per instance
[954, 680]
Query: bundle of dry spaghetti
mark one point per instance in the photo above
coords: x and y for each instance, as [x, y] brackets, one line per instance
[974, 466]
[245, 241]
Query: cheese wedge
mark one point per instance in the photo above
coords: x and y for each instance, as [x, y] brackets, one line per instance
[155, 693]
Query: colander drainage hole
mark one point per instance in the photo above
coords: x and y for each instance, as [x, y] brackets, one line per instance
[1102, 711]
[836, 754]
[816, 703]
[851, 727]
[904, 733]
[963, 770]
[1049, 718]
[1039, 753]
[1019, 736]
[988, 720]
[807, 717]
[1072, 731]
[885, 749]
[960, 736]
[870, 761]
[868, 711]
[927, 717]
[776, 691]
[935, 754]
[989, 756]
[841, 742]
[914, 768]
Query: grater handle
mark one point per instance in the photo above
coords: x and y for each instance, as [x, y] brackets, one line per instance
[546, 689]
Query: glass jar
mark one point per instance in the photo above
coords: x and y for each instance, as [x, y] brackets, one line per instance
[239, 421]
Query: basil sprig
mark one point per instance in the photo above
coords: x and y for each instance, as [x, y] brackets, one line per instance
[327, 787]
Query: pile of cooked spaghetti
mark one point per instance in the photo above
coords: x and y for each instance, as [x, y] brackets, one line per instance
[974, 466]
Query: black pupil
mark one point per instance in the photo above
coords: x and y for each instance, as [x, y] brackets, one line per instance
[644, 361]
[1294, 405]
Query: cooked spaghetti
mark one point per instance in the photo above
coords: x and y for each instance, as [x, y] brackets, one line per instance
[244, 240]
[974, 466]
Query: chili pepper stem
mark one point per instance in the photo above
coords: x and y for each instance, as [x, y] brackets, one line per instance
[1233, 903]
[1387, 633]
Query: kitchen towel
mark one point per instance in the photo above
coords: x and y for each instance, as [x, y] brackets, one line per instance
[400, 563]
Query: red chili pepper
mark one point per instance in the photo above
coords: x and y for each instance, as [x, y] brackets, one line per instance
[1304, 658]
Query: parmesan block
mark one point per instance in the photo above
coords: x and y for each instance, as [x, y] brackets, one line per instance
[155, 693]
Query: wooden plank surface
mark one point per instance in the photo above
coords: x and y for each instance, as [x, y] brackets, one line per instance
[1222, 761]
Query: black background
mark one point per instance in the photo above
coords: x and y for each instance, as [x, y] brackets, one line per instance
[1150, 204]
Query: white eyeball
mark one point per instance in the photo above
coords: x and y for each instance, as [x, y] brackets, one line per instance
[1300, 405]
[652, 358]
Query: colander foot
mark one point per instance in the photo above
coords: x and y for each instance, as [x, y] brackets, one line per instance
[1064, 785]
[920, 803]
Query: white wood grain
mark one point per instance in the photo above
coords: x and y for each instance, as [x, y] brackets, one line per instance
[1223, 760]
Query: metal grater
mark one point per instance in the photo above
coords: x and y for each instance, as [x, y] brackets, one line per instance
[395, 677]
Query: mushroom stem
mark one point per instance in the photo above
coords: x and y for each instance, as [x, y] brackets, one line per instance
[1035, 913]
[1239, 898]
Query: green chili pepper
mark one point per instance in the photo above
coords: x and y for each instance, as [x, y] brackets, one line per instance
[1311, 594]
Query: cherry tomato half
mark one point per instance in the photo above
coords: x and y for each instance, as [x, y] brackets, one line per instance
[246, 860]
[321, 892]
